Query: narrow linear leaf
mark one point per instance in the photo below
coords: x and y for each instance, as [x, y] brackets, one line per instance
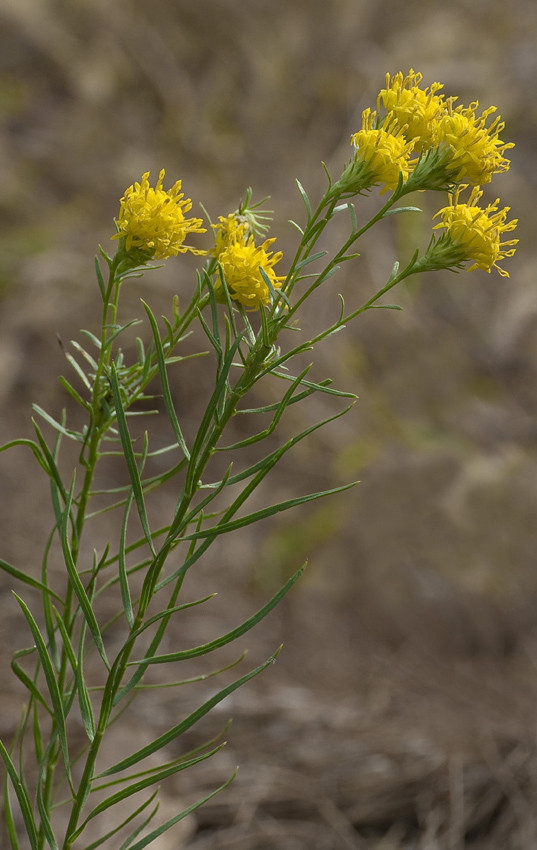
[78, 587]
[211, 408]
[100, 280]
[119, 330]
[28, 683]
[26, 579]
[322, 387]
[52, 684]
[87, 357]
[161, 360]
[146, 782]
[311, 259]
[78, 369]
[193, 718]
[22, 797]
[280, 409]
[95, 341]
[130, 459]
[398, 210]
[172, 821]
[226, 527]
[304, 198]
[126, 844]
[169, 611]
[82, 691]
[72, 435]
[55, 477]
[230, 636]
[44, 813]
[8, 815]
[290, 220]
[123, 577]
[100, 841]
[202, 678]
[263, 466]
[31, 445]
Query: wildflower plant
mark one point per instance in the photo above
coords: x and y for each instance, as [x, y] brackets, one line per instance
[241, 308]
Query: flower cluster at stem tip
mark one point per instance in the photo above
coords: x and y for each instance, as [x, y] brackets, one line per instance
[477, 232]
[416, 139]
[153, 220]
[240, 262]
[427, 142]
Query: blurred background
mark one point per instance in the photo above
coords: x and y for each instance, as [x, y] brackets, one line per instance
[401, 713]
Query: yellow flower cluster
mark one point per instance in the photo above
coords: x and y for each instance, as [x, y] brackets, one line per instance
[384, 151]
[417, 110]
[474, 150]
[241, 262]
[153, 220]
[429, 143]
[231, 228]
[418, 120]
[477, 232]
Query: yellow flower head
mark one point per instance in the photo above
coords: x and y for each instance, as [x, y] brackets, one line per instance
[416, 110]
[476, 150]
[241, 263]
[153, 220]
[478, 231]
[384, 151]
[231, 228]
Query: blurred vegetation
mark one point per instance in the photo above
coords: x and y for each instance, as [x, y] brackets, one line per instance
[224, 96]
[436, 547]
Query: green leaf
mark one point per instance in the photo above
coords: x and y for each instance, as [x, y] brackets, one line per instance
[73, 435]
[305, 199]
[72, 392]
[100, 280]
[226, 527]
[26, 579]
[123, 578]
[78, 587]
[172, 821]
[89, 359]
[8, 815]
[33, 446]
[297, 226]
[146, 782]
[22, 797]
[310, 259]
[130, 459]
[100, 841]
[230, 636]
[156, 617]
[78, 369]
[264, 467]
[25, 679]
[44, 812]
[126, 844]
[76, 665]
[210, 411]
[193, 718]
[119, 330]
[161, 360]
[95, 341]
[285, 401]
[398, 210]
[52, 684]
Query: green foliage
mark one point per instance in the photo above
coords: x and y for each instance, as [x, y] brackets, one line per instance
[51, 764]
